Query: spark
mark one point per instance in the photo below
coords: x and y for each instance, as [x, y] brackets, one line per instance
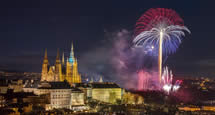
[167, 81]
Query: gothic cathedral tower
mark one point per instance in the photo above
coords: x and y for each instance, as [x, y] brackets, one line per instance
[76, 78]
[45, 67]
[58, 71]
[63, 69]
[72, 75]
[68, 77]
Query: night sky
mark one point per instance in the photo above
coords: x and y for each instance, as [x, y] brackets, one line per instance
[28, 27]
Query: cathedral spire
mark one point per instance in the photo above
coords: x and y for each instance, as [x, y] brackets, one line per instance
[46, 56]
[71, 57]
[45, 67]
[63, 62]
[101, 79]
[45, 60]
[58, 55]
[57, 68]
[91, 81]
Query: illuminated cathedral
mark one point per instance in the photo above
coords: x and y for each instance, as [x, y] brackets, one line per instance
[61, 70]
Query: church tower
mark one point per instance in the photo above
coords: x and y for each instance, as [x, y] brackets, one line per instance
[63, 62]
[58, 72]
[51, 74]
[76, 78]
[101, 80]
[72, 75]
[71, 57]
[68, 72]
[69, 65]
[63, 69]
[45, 67]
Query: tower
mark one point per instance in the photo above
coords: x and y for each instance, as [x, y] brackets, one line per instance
[101, 79]
[63, 69]
[71, 57]
[51, 74]
[45, 67]
[91, 81]
[76, 78]
[63, 62]
[69, 66]
[72, 75]
[58, 72]
[68, 72]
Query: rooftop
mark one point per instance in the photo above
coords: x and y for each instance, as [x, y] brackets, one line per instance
[76, 90]
[31, 84]
[104, 85]
[97, 85]
[54, 85]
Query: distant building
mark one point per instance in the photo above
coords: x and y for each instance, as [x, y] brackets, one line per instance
[61, 71]
[77, 97]
[106, 92]
[15, 101]
[16, 85]
[31, 86]
[38, 100]
[62, 95]
[132, 98]
[86, 88]
[102, 91]
[2, 101]
[3, 86]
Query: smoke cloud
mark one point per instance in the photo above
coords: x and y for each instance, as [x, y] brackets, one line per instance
[117, 60]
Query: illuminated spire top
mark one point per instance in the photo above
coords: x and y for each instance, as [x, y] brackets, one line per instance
[91, 81]
[46, 57]
[63, 59]
[71, 57]
[101, 79]
[58, 55]
[45, 60]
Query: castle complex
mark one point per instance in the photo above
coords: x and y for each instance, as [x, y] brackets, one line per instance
[61, 70]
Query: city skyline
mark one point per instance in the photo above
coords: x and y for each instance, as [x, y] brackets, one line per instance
[107, 57]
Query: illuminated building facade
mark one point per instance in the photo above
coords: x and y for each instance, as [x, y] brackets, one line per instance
[131, 98]
[62, 95]
[106, 92]
[101, 91]
[61, 71]
[2, 101]
[77, 97]
[30, 86]
[3, 86]
[16, 85]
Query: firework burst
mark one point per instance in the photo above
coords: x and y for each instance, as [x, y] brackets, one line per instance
[161, 28]
[171, 37]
